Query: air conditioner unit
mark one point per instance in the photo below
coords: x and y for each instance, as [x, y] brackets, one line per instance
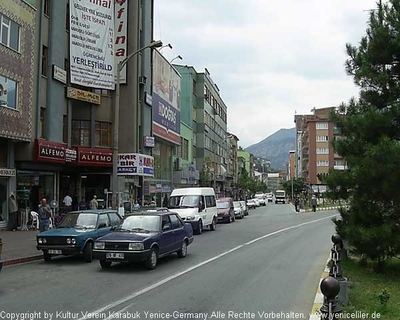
[142, 80]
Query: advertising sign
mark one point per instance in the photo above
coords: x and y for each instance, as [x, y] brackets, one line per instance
[92, 43]
[59, 74]
[135, 164]
[82, 95]
[166, 99]
[121, 35]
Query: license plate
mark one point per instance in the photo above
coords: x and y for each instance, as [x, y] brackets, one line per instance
[55, 252]
[114, 255]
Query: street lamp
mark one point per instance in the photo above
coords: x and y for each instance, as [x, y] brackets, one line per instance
[120, 66]
[177, 57]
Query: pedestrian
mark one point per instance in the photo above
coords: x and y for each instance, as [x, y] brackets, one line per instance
[93, 203]
[314, 203]
[136, 206]
[13, 212]
[297, 204]
[44, 216]
[67, 203]
[82, 205]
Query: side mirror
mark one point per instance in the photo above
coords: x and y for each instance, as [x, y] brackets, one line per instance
[102, 225]
[166, 227]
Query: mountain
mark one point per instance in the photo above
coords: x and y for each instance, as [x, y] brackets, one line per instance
[275, 148]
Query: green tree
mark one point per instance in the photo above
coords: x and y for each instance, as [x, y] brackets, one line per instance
[205, 173]
[370, 128]
[298, 184]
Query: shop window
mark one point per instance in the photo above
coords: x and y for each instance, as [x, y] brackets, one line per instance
[81, 133]
[44, 60]
[103, 134]
[9, 33]
[46, 9]
[65, 129]
[42, 122]
[8, 92]
[3, 199]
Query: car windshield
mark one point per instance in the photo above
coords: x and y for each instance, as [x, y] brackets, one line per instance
[141, 224]
[280, 194]
[187, 201]
[79, 220]
[237, 204]
[222, 204]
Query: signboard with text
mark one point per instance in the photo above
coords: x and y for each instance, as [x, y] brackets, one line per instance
[82, 95]
[135, 164]
[121, 35]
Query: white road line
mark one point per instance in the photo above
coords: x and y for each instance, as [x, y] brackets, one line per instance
[92, 314]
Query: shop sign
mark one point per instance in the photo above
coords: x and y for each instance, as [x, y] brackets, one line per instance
[82, 95]
[50, 151]
[95, 157]
[59, 74]
[135, 164]
[149, 142]
[5, 172]
[71, 155]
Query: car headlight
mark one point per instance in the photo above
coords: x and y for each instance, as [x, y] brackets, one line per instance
[190, 218]
[136, 246]
[44, 240]
[40, 240]
[73, 241]
[99, 245]
[68, 240]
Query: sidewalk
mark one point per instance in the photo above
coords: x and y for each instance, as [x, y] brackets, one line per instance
[19, 247]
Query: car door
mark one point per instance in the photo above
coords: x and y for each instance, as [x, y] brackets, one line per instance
[103, 225]
[167, 235]
[178, 232]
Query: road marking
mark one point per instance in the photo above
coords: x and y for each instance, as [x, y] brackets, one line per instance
[181, 273]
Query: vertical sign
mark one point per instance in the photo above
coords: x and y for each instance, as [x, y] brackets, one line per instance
[92, 43]
[166, 100]
[121, 34]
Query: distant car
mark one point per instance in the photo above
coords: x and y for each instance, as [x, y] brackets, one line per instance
[251, 204]
[261, 198]
[145, 237]
[77, 232]
[245, 209]
[269, 197]
[226, 210]
[1, 250]
[238, 209]
[257, 202]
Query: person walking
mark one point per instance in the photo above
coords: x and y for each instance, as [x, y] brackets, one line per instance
[44, 216]
[297, 204]
[67, 203]
[13, 212]
[314, 203]
[93, 203]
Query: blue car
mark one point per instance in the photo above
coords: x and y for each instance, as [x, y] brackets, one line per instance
[145, 237]
[77, 232]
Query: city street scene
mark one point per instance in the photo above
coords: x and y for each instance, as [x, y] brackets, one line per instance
[199, 159]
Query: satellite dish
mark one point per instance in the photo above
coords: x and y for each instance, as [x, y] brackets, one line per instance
[54, 204]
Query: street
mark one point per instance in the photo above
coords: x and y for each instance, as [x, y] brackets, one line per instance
[269, 262]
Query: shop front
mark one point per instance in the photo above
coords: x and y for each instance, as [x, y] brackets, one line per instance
[5, 175]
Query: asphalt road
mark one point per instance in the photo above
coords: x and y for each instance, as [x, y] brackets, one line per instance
[269, 262]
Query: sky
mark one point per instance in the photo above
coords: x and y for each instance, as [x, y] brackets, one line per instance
[270, 59]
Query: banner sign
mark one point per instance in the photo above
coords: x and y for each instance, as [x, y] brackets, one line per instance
[121, 35]
[92, 43]
[135, 164]
[166, 100]
[82, 95]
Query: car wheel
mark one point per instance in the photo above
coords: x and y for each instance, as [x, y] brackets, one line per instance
[199, 229]
[105, 264]
[152, 259]
[46, 257]
[213, 225]
[88, 252]
[233, 218]
[183, 251]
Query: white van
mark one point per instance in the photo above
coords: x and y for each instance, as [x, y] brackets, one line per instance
[196, 206]
[280, 196]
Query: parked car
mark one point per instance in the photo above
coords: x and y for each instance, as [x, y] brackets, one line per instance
[238, 209]
[251, 204]
[257, 202]
[196, 206]
[261, 198]
[245, 209]
[1, 250]
[226, 210]
[77, 232]
[146, 237]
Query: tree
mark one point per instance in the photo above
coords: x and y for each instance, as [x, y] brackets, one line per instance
[205, 174]
[298, 184]
[370, 126]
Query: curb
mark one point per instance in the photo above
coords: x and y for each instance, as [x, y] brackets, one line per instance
[319, 297]
[15, 261]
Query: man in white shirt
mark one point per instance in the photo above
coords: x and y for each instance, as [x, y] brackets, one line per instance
[67, 203]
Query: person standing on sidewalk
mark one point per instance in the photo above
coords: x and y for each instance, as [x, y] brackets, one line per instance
[67, 203]
[314, 203]
[93, 203]
[44, 216]
[13, 212]
[297, 204]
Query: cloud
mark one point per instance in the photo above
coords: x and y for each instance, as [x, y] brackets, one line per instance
[269, 58]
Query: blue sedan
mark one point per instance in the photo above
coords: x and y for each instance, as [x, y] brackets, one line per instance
[145, 237]
[77, 233]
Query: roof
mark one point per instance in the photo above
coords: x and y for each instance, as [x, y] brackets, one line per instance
[155, 212]
[97, 211]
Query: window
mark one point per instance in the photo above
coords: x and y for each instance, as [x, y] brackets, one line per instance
[46, 9]
[9, 33]
[194, 113]
[103, 134]
[114, 218]
[65, 129]
[67, 18]
[103, 219]
[322, 138]
[322, 163]
[210, 201]
[194, 87]
[175, 222]
[322, 125]
[44, 61]
[103, 92]
[322, 150]
[8, 93]
[81, 133]
[42, 122]
[184, 149]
